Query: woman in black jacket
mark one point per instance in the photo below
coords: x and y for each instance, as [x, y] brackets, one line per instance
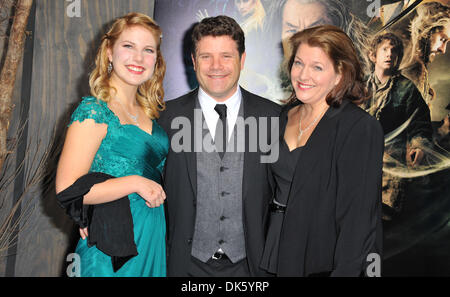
[326, 210]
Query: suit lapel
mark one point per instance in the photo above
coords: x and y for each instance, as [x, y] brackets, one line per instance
[315, 148]
[249, 157]
[191, 157]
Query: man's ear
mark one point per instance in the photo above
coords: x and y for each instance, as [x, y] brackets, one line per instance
[193, 61]
[243, 60]
[372, 57]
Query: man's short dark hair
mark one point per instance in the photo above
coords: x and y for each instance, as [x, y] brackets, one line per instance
[218, 26]
[396, 43]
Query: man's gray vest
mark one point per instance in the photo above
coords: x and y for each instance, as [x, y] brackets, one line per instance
[219, 221]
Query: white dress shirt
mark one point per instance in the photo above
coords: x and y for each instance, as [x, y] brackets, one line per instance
[207, 104]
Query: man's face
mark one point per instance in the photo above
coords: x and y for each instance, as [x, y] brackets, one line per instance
[245, 7]
[298, 17]
[385, 58]
[218, 66]
[438, 42]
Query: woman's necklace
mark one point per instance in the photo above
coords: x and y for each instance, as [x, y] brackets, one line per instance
[134, 118]
[300, 131]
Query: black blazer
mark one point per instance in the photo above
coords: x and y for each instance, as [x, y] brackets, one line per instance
[333, 215]
[180, 185]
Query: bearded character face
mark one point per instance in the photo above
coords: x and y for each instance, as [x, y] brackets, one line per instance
[434, 44]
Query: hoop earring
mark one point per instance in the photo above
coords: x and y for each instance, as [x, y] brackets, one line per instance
[110, 67]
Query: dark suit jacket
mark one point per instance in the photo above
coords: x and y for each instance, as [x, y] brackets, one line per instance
[333, 215]
[181, 186]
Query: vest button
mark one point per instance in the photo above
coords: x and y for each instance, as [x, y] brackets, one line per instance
[222, 218]
[189, 241]
[223, 168]
[221, 241]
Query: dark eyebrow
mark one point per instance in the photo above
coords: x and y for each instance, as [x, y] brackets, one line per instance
[321, 21]
[314, 62]
[291, 25]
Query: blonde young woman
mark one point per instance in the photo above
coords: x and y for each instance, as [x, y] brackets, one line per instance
[114, 153]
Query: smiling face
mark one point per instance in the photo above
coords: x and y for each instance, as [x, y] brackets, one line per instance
[298, 17]
[217, 65]
[133, 56]
[385, 57]
[313, 75]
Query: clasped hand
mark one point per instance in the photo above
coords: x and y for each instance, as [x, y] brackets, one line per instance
[151, 192]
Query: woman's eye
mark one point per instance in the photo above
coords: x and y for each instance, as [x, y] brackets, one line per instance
[149, 50]
[127, 46]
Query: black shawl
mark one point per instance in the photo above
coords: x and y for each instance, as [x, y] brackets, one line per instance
[110, 225]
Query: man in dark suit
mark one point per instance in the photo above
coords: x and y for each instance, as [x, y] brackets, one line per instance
[218, 199]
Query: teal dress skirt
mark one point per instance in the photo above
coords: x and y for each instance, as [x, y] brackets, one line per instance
[128, 150]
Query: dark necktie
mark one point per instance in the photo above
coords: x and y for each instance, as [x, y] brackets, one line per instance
[220, 138]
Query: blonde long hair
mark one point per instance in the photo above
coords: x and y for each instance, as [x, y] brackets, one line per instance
[430, 16]
[256, 20]
[150, 94]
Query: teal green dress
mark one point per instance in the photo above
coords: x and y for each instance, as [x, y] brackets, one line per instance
[128, 150]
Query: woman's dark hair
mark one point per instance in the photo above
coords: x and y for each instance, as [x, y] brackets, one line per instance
[340, 49]
[218, 26]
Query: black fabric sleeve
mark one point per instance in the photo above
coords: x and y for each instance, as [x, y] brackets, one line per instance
[358, 205]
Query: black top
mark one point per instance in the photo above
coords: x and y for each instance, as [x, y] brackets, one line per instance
[283, 172]
[283, 169]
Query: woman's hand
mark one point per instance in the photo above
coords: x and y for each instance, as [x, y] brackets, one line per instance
[151, 192]
[84, 233]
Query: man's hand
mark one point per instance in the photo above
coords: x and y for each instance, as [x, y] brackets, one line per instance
[416, 156]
